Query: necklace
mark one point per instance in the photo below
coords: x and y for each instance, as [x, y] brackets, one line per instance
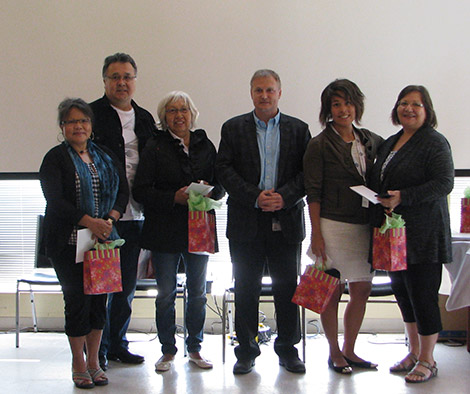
[83, 151]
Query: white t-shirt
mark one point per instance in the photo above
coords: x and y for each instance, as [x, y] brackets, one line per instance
[134, 209]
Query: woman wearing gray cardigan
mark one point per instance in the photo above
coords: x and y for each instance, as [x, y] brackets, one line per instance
[415, 167]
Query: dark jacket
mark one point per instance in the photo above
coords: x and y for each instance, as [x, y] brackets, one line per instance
[57, 176]
[108, 130]
[239, 170]
[423, 171]
[329, 171]
[163, 169]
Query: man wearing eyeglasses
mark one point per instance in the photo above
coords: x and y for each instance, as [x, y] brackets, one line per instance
[124, 127]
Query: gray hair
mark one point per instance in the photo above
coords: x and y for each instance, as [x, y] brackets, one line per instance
[67, 104]
[265, 73]
[171, 98]
[118, 58]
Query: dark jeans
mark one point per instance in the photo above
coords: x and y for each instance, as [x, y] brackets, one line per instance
[119, 308]
[249, 260]
[166, 269]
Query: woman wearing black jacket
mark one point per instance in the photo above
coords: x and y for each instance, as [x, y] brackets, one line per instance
[171, 160]
[84, 186]
[415, 167]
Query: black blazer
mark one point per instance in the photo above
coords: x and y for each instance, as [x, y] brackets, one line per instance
[238, 169]
[163, 169]
[57, 176]
[423, 171]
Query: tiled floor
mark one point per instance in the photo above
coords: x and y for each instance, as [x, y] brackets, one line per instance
[42, 365]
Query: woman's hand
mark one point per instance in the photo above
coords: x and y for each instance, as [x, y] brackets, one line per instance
[99, 227]
[318, 246]
[391, 202]
[181, 197]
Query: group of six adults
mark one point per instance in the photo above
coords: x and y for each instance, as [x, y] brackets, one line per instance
[123, 176]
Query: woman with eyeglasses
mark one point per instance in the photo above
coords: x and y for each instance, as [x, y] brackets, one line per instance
[339, 157]
[415, 168]
[171, 160]
[84, 187]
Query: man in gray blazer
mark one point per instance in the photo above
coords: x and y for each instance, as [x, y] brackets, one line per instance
[260, 165]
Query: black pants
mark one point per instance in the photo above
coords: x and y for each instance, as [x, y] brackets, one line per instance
[417, 292]
[249, 259]
[82, 312]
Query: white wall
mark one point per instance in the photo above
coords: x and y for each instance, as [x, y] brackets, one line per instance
[210, 48]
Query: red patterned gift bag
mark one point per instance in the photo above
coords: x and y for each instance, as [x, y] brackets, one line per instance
[389, 249]
[201, 232]
[465, 216]
[102, 271]
[315, 289]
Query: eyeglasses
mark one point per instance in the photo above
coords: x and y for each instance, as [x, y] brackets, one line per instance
[83, 121]
[125, 78]
[174, 111]
[405, 104]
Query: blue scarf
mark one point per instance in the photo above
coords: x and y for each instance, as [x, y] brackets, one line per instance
[109, 182]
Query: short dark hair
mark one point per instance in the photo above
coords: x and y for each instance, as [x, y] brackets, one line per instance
[118, 58]
[264, 73]
[345, 89]
[431, 118]
[67, 104]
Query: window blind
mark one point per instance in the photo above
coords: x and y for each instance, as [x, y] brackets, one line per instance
[21, 201]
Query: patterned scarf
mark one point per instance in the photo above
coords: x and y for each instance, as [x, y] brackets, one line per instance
[109, 182]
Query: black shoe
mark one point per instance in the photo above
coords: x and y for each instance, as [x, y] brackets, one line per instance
[126, 357]
[242, 367]
[345, 370]
[292, 364]
[103, 361]
[361, 364]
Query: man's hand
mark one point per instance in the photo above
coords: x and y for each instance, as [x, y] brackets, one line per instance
[270, 201]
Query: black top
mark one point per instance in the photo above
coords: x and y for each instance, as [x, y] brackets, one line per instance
[423, 171]
[163, 169]
[57, 176]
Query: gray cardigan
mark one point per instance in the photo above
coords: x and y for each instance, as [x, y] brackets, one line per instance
[329, 171]
[423, 171]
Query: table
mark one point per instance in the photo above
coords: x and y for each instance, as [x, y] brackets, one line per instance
[459, 276]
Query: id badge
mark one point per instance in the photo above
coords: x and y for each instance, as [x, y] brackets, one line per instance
[365, 202]
[276, 225]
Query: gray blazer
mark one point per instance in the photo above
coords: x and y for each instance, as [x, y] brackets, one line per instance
[329, 171]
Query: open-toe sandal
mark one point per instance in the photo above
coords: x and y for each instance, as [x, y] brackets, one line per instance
[402, 366]
[98, 376]
[345, 370]
[361, 364]
[82, 380]
[414, 372]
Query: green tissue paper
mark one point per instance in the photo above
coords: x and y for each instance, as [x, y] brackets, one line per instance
[197, 202]
[109, 244]
[466, 192]
[394, 221]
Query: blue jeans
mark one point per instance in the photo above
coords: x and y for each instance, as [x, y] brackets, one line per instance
[119, 307]
[166, 269]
